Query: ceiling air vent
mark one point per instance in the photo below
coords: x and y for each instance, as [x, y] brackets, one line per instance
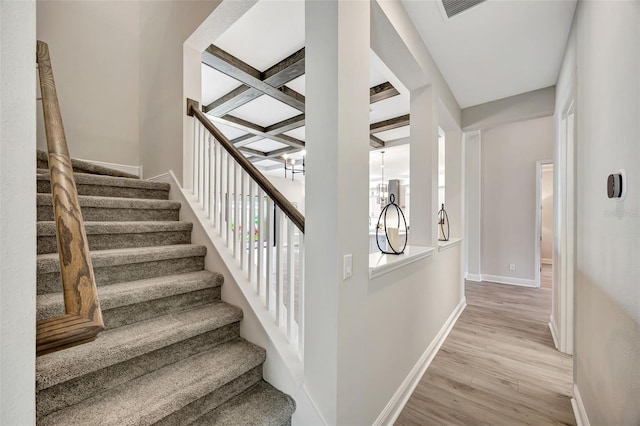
[454, 7]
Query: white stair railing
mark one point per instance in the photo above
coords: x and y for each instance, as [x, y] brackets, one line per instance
[259, 226]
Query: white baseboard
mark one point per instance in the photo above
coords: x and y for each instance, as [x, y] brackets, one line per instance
[554, 331]
[578, 408]
[473, 277]
[134, 170]
[161, 178]
[399, 399]
[546, 261]
[509, 280]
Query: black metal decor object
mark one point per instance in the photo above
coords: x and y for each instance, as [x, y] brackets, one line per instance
[383, 219]
[443, 219]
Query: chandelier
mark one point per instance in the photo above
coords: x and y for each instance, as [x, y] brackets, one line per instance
[291, 166]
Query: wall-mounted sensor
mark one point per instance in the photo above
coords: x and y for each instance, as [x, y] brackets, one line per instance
[616, 185]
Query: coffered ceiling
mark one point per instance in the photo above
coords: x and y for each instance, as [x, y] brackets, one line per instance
[253, 87]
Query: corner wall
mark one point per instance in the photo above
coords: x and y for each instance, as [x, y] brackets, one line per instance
[17, 212]
[606, 56]
[95, 58]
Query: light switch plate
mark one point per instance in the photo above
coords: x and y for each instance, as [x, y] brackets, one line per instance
[347, 267]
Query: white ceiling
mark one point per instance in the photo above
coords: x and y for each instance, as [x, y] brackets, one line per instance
[498, 48]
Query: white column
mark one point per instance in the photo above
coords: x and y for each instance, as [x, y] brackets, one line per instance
[337, 135]
[472, 203]
[17, 211]
[424, 168]
[453, 182]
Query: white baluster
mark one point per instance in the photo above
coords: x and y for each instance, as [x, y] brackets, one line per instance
[194, 183]
[227, 202]
[243, 228]
[269, 238]
[301, 295]
[279, 277]
[290, 262]
[211, 178]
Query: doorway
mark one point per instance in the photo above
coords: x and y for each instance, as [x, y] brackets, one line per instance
[544, 223]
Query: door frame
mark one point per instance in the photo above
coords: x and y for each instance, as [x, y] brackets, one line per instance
[538, 236]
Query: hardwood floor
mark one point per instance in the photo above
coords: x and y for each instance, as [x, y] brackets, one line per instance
[498, 365]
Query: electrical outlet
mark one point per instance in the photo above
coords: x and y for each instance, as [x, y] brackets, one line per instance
[512, 266]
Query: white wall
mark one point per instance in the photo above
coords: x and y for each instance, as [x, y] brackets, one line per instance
[293, 190]
[546, 248]
[164, 27]
[364, 337]
[606, 55]
[508, 213]
[119, 72]
[95, 58]
[525, 106]
[473, 197]
[17, 212]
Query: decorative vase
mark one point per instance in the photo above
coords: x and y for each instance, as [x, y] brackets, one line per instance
[443, 225]
[392, 233]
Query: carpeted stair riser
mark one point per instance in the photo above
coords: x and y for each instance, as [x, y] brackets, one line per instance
[103, 186]
[158, 394]
[116, 266]
[102, 209]
[80, 166]
[125, 315]
[125, 303]
[50, 282]
[213, 400]
[259, 405]
[112, 235]
[76, 390]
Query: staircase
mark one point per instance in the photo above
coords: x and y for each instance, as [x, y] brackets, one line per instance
[171, 352]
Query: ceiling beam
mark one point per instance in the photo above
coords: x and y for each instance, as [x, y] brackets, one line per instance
[390, 124]
[375, 142]
[228, 64]
[381, 92]
[278, 75]
[257, 130]
[275, 129]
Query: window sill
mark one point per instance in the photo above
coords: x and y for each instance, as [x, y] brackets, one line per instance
[443, 245]
[380, 264]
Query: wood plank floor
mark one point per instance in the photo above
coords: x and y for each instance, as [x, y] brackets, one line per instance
[498, 365]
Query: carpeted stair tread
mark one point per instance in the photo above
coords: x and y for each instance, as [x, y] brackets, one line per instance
[134, 292]
[260, 405]
[84, 166]
[50, 262]
[115, 202]
[154, 396]
[123, 343]
[110, 235]
[48, 228]
[114, 209]
[101, 185]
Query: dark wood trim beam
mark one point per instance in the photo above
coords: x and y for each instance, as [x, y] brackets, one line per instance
[256, 130]
[244, 94]
[275, 129]
[255, 153]
[280, 152]
[233, 67]
[375, 142]
[381, 92]
[286, 125]
[390, 124]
